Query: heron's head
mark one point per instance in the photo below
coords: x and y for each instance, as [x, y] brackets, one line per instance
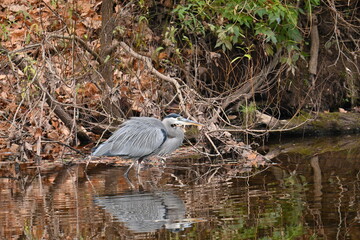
[176, 119]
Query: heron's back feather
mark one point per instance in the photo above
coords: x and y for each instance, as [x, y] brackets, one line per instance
[137, 137]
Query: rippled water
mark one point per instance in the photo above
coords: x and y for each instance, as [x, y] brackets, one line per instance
[312, 192]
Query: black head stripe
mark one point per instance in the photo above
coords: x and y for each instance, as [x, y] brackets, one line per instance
[172, 115]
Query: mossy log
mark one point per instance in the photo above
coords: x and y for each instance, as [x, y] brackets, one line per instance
[331, 123]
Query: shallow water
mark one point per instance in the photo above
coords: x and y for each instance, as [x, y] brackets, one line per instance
[312, 192]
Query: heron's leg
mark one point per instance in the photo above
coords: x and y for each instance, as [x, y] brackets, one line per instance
[138, 169]
[163, 161]
[130, 183]
[87, 159]
[127, 171]
[139, 166]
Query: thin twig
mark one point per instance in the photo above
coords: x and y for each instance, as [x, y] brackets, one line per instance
[83, 44]
[66, 145]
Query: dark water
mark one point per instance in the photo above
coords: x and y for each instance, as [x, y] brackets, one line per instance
[312, 192]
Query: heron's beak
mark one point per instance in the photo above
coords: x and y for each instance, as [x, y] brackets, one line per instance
[184, 121]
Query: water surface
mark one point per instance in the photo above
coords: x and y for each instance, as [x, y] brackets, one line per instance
[311, 192]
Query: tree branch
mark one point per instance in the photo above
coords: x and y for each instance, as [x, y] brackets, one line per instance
[157, 73]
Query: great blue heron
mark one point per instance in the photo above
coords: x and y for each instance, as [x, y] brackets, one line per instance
[142, 137]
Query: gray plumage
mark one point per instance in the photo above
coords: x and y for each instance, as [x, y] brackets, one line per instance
[142, 137]
[146, 212]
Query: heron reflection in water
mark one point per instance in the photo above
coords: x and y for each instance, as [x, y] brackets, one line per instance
[147, 212]
[142, 137]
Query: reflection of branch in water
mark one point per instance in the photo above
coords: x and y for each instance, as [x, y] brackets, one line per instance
[339, 205]
[146, 212]
[314, 162]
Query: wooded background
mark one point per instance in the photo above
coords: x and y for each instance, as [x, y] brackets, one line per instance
[71, 71]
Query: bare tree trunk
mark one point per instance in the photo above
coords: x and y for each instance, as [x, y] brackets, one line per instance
[115, 104]
[106, 38]
[314, 50]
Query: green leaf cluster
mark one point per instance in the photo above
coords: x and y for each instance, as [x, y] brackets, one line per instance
[241, 22]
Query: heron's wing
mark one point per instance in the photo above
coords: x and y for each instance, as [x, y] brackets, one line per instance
[138, 137]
